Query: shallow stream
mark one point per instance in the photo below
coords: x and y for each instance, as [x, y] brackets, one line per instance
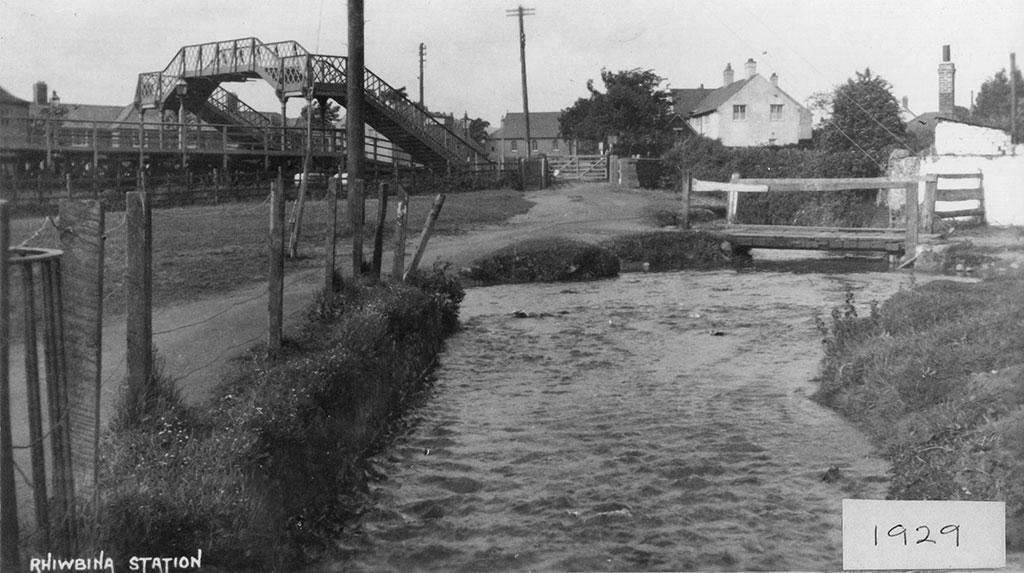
[652, 422]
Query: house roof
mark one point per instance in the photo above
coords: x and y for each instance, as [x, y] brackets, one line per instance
[717, 97]
[686, 100]
[543, 125]
[87, 112]
[8, 98]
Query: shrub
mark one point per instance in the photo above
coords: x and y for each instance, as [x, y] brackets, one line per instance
[667, 250]
[256, 477]
[710, 160]
[545, 260]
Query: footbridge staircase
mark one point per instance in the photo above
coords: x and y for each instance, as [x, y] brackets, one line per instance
[292, 71]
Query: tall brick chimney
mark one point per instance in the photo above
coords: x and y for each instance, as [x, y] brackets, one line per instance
[727, 75]
[40, 93]
[947, 83]
[751, 68]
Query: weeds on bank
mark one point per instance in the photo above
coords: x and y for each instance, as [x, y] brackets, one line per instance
[260, 477]
[666, 251]
[936, 376]
[545, 260]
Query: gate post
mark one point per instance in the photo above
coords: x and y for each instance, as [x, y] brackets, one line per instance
[139, 295]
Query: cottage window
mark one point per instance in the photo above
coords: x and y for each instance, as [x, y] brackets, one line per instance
[533, 145]
[554, 145]
[776, 112]
[739, 112]
[515, 145]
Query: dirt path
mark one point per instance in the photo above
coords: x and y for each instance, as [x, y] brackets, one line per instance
[196, 340]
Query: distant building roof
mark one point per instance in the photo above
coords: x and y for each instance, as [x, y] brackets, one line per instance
[719, 96]
[543, 125]
[88, 112]
[8, 98]
[686, 100]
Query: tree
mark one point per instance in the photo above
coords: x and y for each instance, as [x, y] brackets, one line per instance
[992, 106]
[633, 108]
[865, 117]
[478, 130]
[331, 113]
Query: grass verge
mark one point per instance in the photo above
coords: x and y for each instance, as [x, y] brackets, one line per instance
[936, 376]
[261, 477]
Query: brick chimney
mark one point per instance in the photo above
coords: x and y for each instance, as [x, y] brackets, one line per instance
[775, 79]
[39, 93]
[727, 75]
[751, 68]
[947, 83]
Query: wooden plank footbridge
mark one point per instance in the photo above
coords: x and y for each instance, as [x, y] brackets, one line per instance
[897, 242]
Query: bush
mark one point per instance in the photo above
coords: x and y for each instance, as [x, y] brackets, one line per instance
[709, 160]
[665, 250]
[257, 476]
[545, 260]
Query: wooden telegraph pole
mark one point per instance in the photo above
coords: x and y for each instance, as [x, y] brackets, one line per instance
[355, 130]
[520, 12]
[423, 55]
[1013, 97]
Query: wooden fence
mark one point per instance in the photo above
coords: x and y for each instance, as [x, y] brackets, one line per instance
[919, 217]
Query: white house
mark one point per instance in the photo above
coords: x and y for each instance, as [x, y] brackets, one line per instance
[748, 112]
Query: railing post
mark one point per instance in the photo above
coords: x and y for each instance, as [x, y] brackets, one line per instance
[9, 552]
[428, 228]
[732, 203]
[378, 235]
[139, 291]
[686, 187]
[275, 283]
[910, 241]
[330, 248]
[398, 264]
[931, 185]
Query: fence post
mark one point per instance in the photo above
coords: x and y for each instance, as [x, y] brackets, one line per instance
[139, 292]
[275, 284]
[931, 185]
[732, 202]
[330, 247]
[686, 186]
[81, 240]
[356, 217]
[216, 187]
[428, 228]
[35, 420]
[398, 264]
[9, 554]
[378, 235]
[67, 184]
[910, 241]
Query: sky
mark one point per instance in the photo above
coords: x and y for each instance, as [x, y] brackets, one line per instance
[91, 51]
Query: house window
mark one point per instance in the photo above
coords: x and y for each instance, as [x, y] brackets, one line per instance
[515, 146]
[776, 112]
[739, 112]
[554, 145]
[533, 145]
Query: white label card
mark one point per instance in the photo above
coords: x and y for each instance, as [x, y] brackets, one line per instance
[923, 534]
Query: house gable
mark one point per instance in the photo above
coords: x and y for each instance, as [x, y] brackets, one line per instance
[751, 112]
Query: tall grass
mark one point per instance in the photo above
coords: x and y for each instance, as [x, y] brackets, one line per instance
[936, 376]
[259, 477]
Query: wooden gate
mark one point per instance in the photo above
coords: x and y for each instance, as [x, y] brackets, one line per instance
[579, 167]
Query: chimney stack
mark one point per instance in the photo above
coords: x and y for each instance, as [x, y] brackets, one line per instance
[775, 79]
[947, 83]
[751, 68]
[40, 93]
[727, 75]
